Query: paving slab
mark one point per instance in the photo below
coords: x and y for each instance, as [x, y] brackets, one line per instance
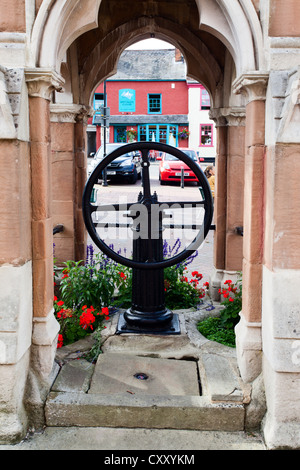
[117, 373]
[219, 379]
[74, 376]
[120, 439]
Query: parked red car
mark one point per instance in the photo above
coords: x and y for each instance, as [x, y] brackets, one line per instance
[170, 167]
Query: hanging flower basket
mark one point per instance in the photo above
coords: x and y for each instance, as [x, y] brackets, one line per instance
[131, 134]
[184, 134]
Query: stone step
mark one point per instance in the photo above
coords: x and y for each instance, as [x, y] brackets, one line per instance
[150, 412]
[199, 394]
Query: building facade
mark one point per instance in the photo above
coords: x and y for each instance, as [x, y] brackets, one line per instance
[151, 99]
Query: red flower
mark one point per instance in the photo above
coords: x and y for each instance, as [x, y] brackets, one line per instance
[55, 298]
[197, 274]
[60, 341]
[86, 319]
[105, 311]
[229, 281]
[122, 275]
[60, 303]
[231, 299]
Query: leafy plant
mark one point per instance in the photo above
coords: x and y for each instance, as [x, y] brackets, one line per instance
[213, 330]
[221, 329]
[87, 290]
[232, 302]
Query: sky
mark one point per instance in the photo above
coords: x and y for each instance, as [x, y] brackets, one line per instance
[151, 43]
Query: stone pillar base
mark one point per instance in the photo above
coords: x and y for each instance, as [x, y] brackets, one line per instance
[43, 369]
[248, 349]
[281, 426]
[13, 417]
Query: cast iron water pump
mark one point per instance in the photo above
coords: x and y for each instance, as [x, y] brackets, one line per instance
[148, 313]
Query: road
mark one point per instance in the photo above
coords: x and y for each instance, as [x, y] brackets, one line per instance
[117, 192]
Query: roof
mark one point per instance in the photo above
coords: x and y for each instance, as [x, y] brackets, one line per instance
[158, 64]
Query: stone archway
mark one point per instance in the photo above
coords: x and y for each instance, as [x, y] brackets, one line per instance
[215, 53]
[224, 44]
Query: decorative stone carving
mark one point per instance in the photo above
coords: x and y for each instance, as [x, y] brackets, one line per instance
[7, 127]
[288, 131]
[252, 85]
[42, 82]
[234, 116]
[68, 112]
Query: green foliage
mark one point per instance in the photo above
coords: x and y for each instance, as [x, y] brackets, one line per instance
[232, 302]
[221, 329]
[87, 290]
[179, 291]
[213, 330]
[90, 283]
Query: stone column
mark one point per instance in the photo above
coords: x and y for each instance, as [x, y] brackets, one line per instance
[228, 243]
[80, 181]
[69, 166]
[41, 84]
[248, 330]
[15, 254]
[235, 189]
[281, 270]
[220, 204]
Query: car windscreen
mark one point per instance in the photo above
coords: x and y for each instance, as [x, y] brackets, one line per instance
[190, 154]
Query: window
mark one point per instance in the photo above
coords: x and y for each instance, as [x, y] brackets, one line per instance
[205, 99]
[142, 133]
[165, 133]
[98, 101]
[120, 134]
[206, 135]
[154, 103]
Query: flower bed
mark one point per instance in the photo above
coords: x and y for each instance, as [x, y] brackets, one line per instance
[87, 293]
[221, 329]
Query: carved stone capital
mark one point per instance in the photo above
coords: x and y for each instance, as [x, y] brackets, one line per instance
[42, 82]
[216, 115]
[85, 113]
[66, 112]
[234, 116]
[252, 85]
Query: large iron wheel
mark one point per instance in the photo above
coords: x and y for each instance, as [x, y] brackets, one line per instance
[147, 199]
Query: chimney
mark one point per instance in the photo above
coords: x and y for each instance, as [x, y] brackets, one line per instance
[178, 55]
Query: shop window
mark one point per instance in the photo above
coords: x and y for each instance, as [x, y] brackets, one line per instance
[120, 134]
[164, 133]
[206, 133]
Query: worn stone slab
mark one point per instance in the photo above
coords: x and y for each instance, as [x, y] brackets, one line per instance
[115, 373]
[219, 379]
[100, 438]
[74, 376]
[175, 346]
[142, 411]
